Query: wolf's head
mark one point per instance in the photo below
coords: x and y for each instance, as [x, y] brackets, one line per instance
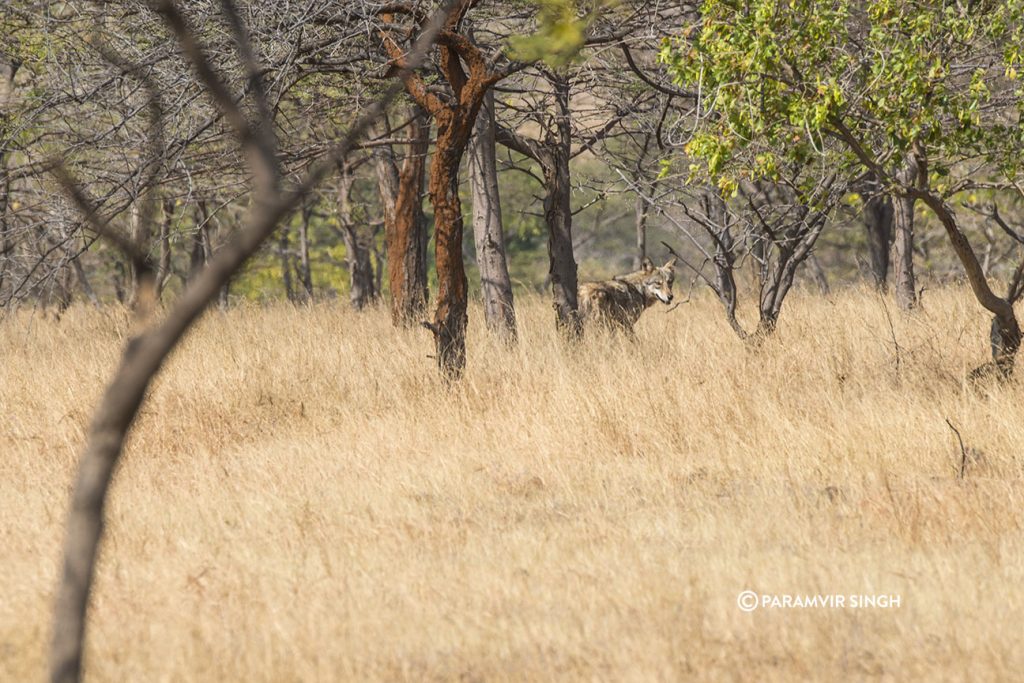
[657, 282]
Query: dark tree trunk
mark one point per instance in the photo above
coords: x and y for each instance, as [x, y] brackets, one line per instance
[819, 274]
[558, 213]
[163, 271]
[642, 210]
[449, 325]
[553, 153]
[305, 269]
[202, 244]
[8, 69]
[878, 220]
[283, 249]
[1005, 331]
[405, 226]
[903, 239]
[143, 277]
[362, 284]
[488, 235]
[83, 281]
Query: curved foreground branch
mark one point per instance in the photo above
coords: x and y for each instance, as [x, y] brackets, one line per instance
[142, 359]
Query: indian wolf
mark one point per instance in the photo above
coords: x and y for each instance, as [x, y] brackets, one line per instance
[619, 302]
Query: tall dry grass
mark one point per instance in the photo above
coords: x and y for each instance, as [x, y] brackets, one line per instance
[302, 499]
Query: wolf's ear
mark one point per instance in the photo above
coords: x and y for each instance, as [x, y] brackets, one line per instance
[671, 264]
[646, 265]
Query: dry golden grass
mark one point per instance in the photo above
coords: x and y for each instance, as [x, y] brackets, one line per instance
[303, 500]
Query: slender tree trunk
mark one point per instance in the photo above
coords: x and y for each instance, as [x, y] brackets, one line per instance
[405, 226]
[1005, 332]
[878, 220]
[362, 291]
[819, 275]
[641, 211]
[488, 236]
[558, 214]
[903, 239]
[8, 69]
[163, 271]
[143, 281]
[198, 253]
[449, 325]
[283, 249]
[83, 281]
[202, 251]
[305, 270]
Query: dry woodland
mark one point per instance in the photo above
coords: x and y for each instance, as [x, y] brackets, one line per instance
[304, 498]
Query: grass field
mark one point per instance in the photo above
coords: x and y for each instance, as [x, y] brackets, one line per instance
[302, 499]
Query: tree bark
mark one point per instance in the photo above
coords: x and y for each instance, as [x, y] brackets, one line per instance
[466, 70]
[488, 235]
[305, 269]
[362, 289]
[163, 271]
[558, 214]
[553, 153]
[283, 247]
[1005, 332]
[8, 69]
[819, 274]
[142, 294]
[405, 226]
[641, 211]
[878, 220]
[903, 239]
[449, 325]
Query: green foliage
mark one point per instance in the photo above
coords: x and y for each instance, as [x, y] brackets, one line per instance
[561, 32]
[778, 78]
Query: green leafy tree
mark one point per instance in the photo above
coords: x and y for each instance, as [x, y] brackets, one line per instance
[888, 80]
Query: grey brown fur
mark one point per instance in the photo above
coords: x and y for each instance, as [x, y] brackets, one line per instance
[619, 302]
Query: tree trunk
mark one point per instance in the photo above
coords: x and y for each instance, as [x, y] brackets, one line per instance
[819, 275]
[283, 247]
[558, 214]
[163, 271]
[642, 210]
[449, 325]
[143, 281]
[8, 69]
[878, 220]
[1005, 331]
[488, 236]
[83, 281]
[305, 270]
[903, 240]
[405, 226]
[362, 290]
[199, 254]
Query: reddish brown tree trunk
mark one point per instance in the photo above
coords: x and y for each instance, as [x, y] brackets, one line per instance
[465, 69]
[449, 325]
[405, 227]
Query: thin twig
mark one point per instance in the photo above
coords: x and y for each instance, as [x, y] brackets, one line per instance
[963, 451]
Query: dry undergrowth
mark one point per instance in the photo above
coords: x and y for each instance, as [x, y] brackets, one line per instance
[303, 500]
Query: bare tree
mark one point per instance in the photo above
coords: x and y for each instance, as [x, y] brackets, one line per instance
[878, 226]
[488, 234]
[145, 353]
[359, 239]
[405, 227]
[903, 235]
[454, 113]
